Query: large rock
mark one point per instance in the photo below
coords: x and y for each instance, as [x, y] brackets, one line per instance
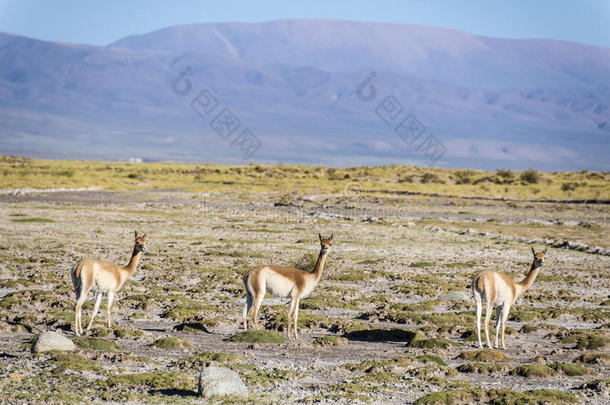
[52, 341]
[220, 381]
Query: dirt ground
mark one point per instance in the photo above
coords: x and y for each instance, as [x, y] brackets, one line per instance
[391, 320]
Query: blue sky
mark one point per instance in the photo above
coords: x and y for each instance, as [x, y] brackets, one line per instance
[101, 22]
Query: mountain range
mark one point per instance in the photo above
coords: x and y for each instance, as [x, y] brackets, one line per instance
[309, 91]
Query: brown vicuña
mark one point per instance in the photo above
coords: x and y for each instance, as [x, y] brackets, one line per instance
[498, 290]
[283, 282]
[108, 277]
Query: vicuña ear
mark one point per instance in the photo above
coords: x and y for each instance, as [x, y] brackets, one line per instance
[320, 236]
[544, 251]
[135, 233]
[331, 237]
[144, 236]
[533, 251]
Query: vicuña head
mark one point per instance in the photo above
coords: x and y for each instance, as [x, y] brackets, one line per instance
[107, 277]
[538, 258]
[283, 282]
[499, 289]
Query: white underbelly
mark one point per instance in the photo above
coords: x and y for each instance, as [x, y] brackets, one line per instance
[104, 280]
[277, 285]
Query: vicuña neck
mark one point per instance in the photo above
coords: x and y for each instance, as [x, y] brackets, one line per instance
[528, 280]
[133, 262]
[317, 270]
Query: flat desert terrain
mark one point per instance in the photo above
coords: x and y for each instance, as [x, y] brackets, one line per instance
[391, 320]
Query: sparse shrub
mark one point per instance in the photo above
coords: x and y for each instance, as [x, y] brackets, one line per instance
[569, 186]
[430, 178]
[463, 176]
[530, 176]
[505, 174]
[67, 173]
[407, 179]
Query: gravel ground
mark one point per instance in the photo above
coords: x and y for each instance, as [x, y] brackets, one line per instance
[394, 298]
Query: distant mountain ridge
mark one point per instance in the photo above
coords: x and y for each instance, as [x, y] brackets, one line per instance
[293, 83]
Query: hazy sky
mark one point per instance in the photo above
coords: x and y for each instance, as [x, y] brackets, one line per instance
[101, 22]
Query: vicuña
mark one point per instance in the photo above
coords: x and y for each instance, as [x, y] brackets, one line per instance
[497, 289]
[108, 277]
[283, 282]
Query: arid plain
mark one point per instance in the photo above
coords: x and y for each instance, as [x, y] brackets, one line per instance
[391, 321]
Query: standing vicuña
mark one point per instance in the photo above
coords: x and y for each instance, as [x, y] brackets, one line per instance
[282, 282]
[499, 290]
[109, 278]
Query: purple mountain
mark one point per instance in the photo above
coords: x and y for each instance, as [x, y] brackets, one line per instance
[293, 91]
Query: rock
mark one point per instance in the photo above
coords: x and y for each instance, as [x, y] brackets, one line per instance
[220, 381]
[52, 341]
[457, 296]
[540, 360]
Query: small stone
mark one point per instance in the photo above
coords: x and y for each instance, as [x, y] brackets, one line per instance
[220, 381]
[52, 341]
[540, 360]
[14, 377]
[457, 296]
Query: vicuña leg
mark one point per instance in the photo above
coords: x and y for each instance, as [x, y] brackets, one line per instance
[257, 306]
[487, 318]
[98, 301]
[291, 315]
[296, 320]
[477, 298]
[247, 309]
[109, 309]
[498, 321]
[80, 300]
[505, 311]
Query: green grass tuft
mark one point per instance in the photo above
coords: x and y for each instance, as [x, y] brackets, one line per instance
[97, 344]
[330, 341]
[485, 355]
[258, 336]
[571, 370]
[430, 358]
[156, 379]
[35, 220]
[586, 341]
[167, 343]
[533, 370]
[497, 396]
[202, 359]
